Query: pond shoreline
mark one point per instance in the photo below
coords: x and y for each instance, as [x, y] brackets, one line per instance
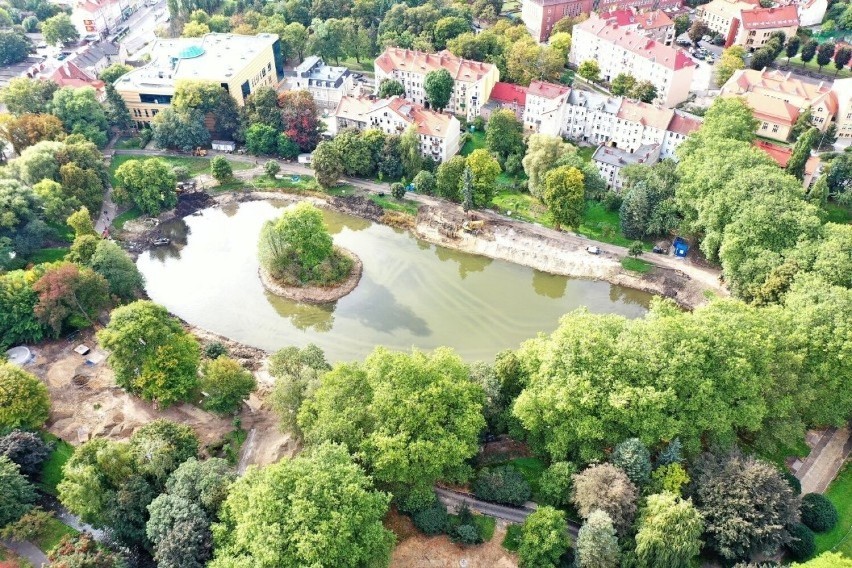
[316, 294]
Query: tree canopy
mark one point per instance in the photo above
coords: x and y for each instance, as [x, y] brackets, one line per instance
[24, 402]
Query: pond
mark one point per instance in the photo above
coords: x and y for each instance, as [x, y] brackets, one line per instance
[411, 294]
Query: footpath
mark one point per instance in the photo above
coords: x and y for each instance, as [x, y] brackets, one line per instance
[829, 452]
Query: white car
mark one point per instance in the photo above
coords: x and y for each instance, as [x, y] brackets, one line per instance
[593, 250]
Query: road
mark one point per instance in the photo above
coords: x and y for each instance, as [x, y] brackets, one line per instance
[27, 550]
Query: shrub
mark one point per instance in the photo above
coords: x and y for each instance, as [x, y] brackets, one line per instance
[271, 168]
[631, 455]
[181, 173]
[818, 513]
[26, 449]
[503, 484]
[215, 350]
[794, 482]
[635, 248]
[611, 201]
[803, 544]
[24, 402]
[467, 534]
[221, 169]
[555, 483]
[432, 520]
[397, 190]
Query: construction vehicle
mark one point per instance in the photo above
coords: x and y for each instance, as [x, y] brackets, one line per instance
[199, 151]
[473, 227]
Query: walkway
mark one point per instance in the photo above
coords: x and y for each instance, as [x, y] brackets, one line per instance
[27, 550]
[827, 456]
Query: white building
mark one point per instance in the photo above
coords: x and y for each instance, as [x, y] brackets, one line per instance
[811, 12]
[327, 84]
[439, 133]
[746, 23]
[610, 161]
[473, 80]
[590, 116]
[843, 92]
[101, 17]
[618, 50]
[545, 107]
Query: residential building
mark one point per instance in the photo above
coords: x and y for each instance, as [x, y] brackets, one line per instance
[506, 96]
[610, 161]
[95, 57]
[619, 50]
[327, 84]
[655, 24]
[439, 133]
[240, 64]
[473, 80]
[639, 124]
[782, 155]
[682, 125]
[602, 6]
[545, 108]
[746, 23]
[590, 116]
[811, 12]
[70, 75]
[842, 90]
[101, 17]
[779, 98]
[539, 16]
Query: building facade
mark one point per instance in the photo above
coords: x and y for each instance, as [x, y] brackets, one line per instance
[472, 80]
[746, 23]
[545, 109]
[610, 161]
[539, 16]
[506, 96]
[654, 24]
[327, 84]
[101, 17]
[619, 50]
[240, 64]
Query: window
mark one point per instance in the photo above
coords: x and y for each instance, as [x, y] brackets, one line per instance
[774, 128]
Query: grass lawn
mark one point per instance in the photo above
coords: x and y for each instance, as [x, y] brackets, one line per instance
[51, 470]
[393, 204]
[48, 255]
[129, 215]
[194, 164]
[128, 143]
[840, 493]
[795, 448]
[475, 141]
[605, 226]
[531, 469]
[284, 182]
[522, 206]
[586, 152]
[366, 65]
[485, 525]
[827, 70]
[512, 540]
[63, 231]
[838, 213]
[636, 265]
[53, 534]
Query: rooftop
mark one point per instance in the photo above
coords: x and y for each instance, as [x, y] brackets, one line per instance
[650, 20]
[214, 57]
[594, 100]
[547, 90]
[683, 123]
[354, 108]
[314, 68]
[779, 85]
[70, 75]
[767, 18]
[771, 109]
[645, 114]
[620, 157]
[422, 63]
[429, 122]
[509, 93]
[782, 155]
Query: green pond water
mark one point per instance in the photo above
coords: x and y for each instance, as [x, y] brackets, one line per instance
[411, 294]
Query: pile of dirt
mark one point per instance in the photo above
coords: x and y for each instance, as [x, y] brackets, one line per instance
[358, 206]
[189, 203]
[420, 551]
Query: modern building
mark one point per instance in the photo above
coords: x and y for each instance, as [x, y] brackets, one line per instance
[240, 64]
[746, 23]
[506, 96]
[545, 108]
[473, 80]
[610, 161]
[327, 84]
[539, 16]
[619, 50]
[439, 133]
[779, 98]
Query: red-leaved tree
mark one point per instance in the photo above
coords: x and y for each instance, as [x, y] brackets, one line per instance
[70, 297]
[299, 115]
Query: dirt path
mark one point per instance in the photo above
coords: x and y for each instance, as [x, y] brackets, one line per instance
[831, 450]
[419, 551]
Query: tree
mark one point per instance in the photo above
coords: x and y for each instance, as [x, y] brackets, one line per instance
[117, 112]
[390, 88]
[644, 91]
[295, 244]
[792, 47]
[597, 544]
[635, 249]
[681, 23]
[504, 134]
[262, 139]
[590, 71]
[564, 196]
[803, 542]
[299, 115]
[81, 222]
[561, 43]
[261, 108]
[746, 504]
[161, 446]
[697, 30]
[271, 168]
[28, 129]
[622, 84]
[809, 49]
[425, 183]
[27, 96]
[204, 483]
[18, 323]
[81, 113]
[826, 560]
[485, 170]
[818, 513]
[296, 374]
[466, 184]
[25, 449]
[527, 61]
[59, 30]
[438, 87]
[554, 485]
[432, 520]
[221, 169]
[327, 164]
[842, 58]
[14, 47]
[110, 261]
[148, 183]
[803, 123]
[16, 493]
[294, 40]
[70, 297]
[448, 177]
[669, 532]
[504, 485]
[802, 151]
[544, 539]
[543, 151]
[733, 58]
[82, 550]
[150, 352]
[24, 402]
[414, 418]
[113, 72]
[632, 457]
[182, 130]
[225, 384]
[837, 176]
[321, 506]
[824, 54]
[195, 29]
[607, 488]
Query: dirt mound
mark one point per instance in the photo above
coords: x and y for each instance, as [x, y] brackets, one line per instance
[359, 206]
[189, 203]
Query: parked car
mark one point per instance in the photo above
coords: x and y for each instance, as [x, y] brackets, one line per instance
[593, 249]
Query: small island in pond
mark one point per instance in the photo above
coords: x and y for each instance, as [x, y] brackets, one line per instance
[299, 261]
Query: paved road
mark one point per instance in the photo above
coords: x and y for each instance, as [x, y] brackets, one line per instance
[825, 460]
[27, 550]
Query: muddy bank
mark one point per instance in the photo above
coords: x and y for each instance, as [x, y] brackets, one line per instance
[315, 294]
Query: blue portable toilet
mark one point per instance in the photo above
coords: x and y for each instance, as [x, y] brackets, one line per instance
[681, 247]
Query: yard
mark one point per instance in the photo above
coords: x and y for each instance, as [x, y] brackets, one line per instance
[194, 164]
[475, 141]
[827, 70]
[840, 493]
[51, 470]
[52, 535]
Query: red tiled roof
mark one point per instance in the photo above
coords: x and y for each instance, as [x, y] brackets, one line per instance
[765, 18]
[645, 114]
[782, 154]
[509, 93]
[547, 90]
[646, 20]
[683, 124]
[422, 63]
[429, 122]
[70, 75]
[667, 56]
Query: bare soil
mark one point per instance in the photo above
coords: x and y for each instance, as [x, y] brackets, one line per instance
[420, 551]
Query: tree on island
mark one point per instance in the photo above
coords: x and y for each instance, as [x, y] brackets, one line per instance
[296, 249]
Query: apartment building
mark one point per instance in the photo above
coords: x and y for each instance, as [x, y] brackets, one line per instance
[539, 16]
[101, 17]
[240, 64]
[473, 80]
[545, 108]
[746, 23]
[619, 50]
[439, 133]
[590, 116]
[640, 5]
[610, 161]
[778, 99]
[811, 12]
[654, 24]
[842, 90]
[506, 96]
[327, 84]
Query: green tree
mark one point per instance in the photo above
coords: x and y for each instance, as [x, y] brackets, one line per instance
[669, 532]
[81, 113]
[81, 222]
[295, 244]
[622, 84]
[261, 108]
[733, 58]
[824, 53]
[502, 484]
[597, 544]
[321, 506]
[632, 457]
[543, 151]
[59, 30]
[644, 91]
[448, 176]
[18, 323]
[590, 71]
[504, 134]
[297, 373]
[148, 183]
[204, 483]
[183, 130]
[670, 477]
[380, 408]
[271, 169]
[110, 261]
[150, 352]
[425, 183]
[681, 23]
[221, 169]
[554, 485]
[409, 152]
[117, 113]
[561, 42]
[467, 189]
[390, 88]
[544, 539]
[226, 384]
[564, 196]
[438, 87]
[195, 29]
[327, 164]
[792, 47]
[83, 550]
[803, 123]
[607, 488]
[70, 297]
[809, 49]
[17, 495]
[113, 72]
[159, 447]
[14, 47]
[262, 139]
[802, 151]
[24, 402]
[485, 170]
[26, 449]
